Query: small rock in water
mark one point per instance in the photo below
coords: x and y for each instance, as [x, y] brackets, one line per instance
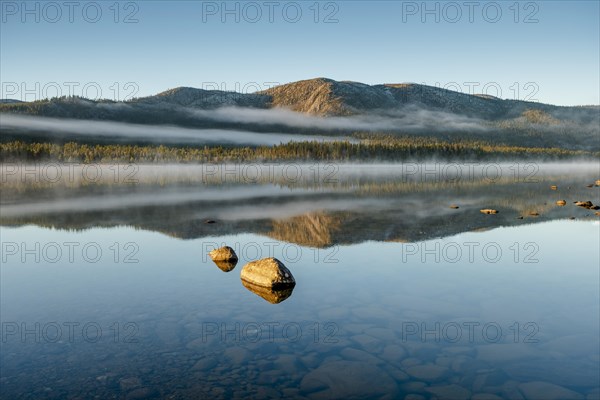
[359, 355]
[413, 386]
[459, 350]
[585, 204]
[414, 396]
[225, 253]
[494, 378]
[589, 186]
[268, 272]
[410, 362]
[485, 396]
[348, 379]
[520, 217]
[450, 392]
[489, 211]
[127, 384]
[142, 393]
[393, 353]
[225, 258]
[534, 214]
[237, 355]
[553, 187]
[428, 372]
[561, 203]
[205, 363]
[209, 221]
[598, 182]
[454, 206]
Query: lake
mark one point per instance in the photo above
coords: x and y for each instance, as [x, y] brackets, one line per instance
[404, 289]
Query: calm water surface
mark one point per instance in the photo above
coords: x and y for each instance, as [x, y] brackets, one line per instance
[396, 296]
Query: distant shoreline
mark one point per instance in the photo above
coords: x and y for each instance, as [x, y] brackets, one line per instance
[375, 149]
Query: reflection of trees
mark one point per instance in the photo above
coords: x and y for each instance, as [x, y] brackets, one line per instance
[356, 210]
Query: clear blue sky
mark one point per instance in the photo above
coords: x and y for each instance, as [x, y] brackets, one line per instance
[553, 46]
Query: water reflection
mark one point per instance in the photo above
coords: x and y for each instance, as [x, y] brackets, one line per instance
[356, 204]
[272, 295]
[225, 266]
[383, 292]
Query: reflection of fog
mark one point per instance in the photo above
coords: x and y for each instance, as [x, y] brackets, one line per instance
[294, 207]
[159, 134]
[56, 175]
[157, 197]
[365, 203]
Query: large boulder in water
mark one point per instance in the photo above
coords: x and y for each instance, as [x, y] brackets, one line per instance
[268, 272]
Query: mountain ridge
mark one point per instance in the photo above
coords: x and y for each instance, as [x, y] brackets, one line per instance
[327, 106]
[327, 97]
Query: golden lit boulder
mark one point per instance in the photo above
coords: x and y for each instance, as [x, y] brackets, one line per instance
[268, 272]
[553, 187]
[489, 211]
[225, 253]
[561, 203]
[224, 257]
[454, 206]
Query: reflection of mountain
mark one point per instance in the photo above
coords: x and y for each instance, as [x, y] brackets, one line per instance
[319, 216]
[311, 229]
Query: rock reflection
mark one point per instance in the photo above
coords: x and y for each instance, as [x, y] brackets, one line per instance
[272, 295]
[226, 266]
[224, 257]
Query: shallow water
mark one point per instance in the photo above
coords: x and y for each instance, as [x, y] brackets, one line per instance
[397, 295]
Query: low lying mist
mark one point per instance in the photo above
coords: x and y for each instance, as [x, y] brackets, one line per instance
[159, 134]
[409, 119]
